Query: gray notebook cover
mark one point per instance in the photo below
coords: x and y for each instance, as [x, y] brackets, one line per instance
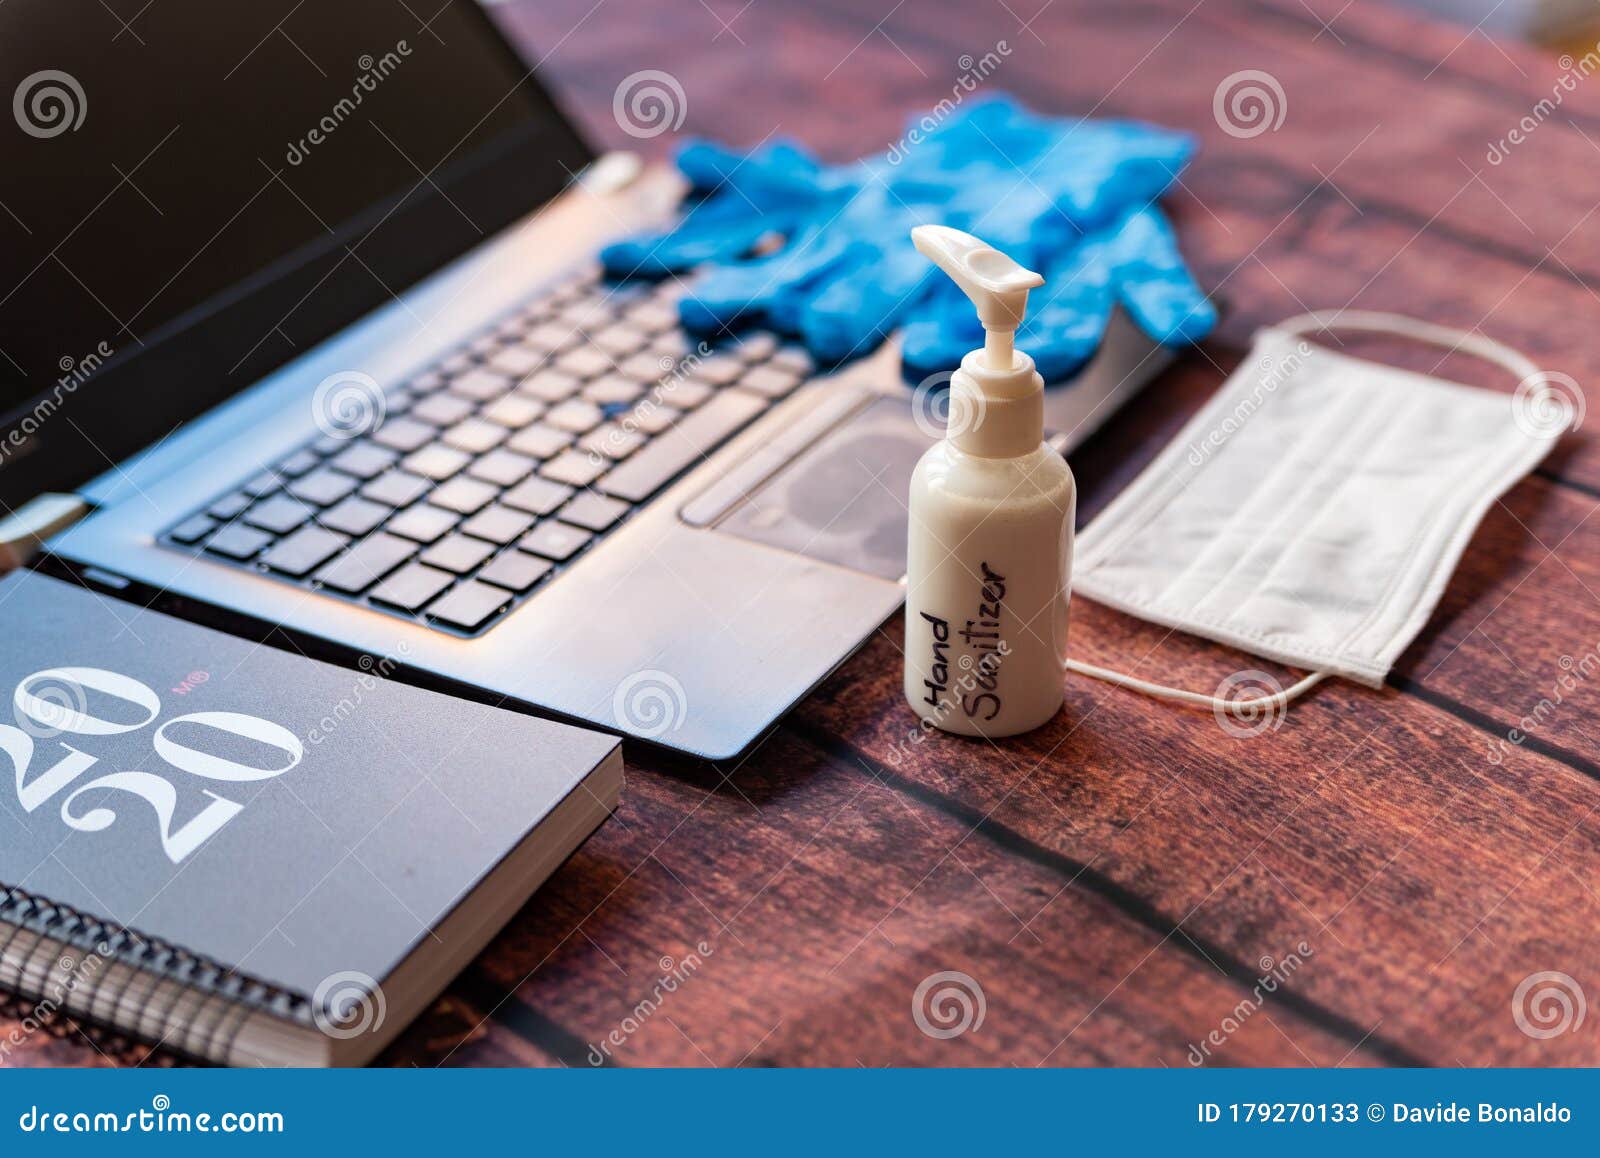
[285, 818]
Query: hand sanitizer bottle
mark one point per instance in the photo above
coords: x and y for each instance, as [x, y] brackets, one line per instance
[989, 563]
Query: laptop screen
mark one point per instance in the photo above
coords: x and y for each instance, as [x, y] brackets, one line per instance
[195, 192]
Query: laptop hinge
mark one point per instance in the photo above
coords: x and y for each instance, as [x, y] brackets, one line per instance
[22, 531]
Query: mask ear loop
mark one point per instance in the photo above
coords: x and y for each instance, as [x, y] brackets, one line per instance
[1372, 321]
[1246, 707]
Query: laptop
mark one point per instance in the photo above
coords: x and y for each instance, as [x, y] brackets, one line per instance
[303, 332]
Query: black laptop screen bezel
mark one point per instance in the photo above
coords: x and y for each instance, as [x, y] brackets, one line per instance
[59, 439]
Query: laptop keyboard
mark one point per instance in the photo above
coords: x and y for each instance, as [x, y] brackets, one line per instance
[498, 467]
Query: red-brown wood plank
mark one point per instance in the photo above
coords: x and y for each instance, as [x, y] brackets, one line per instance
[1428, 882]
[814, 900]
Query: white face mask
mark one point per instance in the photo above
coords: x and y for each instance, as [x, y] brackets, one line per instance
[1314, 509]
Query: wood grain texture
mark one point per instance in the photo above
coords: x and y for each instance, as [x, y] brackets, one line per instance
[1118, 883]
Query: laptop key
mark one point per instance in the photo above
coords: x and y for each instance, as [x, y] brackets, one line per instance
[396, 489]
[363, 459]
[513, 411]
[539, 441]
[497, 524]
[684, 393]
[575, 416]
[620, 340]
[279, 514]
[435, 461]
[555, 541]
[230, 507]
[480, 385]
[238, 542]
[365, 563]
[552, 337]
[442, 409]
[262, 485]
[646, 368]
[612, 389]
[515, 571]
[516, 361]
[503, 468]
[457, 553]
[681, 446]
[423, 523]
[474, 435]
[307, 548]
[652, 316]
[354, 516]
[720, 369]
[589, 314]
[757, 347]
[463, 495]
[297, 464]
[575, 468]
[403, 435]
[537, 496]
[192, 529]
[323, 487]
[549, 386]
[411, 586]
[586, 362]
[469, 606]
[769, 381]
[651, 416]
[614, 441]
[591, 511]
[795, 359]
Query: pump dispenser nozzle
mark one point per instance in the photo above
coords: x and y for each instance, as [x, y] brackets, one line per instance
[997, 285]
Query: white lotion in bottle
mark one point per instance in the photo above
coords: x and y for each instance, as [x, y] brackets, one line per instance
[989, 562]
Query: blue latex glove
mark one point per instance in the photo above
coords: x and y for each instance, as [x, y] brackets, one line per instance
[837, 268]
[1133, 262]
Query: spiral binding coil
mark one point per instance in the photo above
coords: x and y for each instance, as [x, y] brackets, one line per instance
[200, 993]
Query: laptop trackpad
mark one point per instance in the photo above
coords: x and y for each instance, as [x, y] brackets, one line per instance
[843, 497]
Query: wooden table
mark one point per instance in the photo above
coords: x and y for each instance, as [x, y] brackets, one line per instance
[1119, 883]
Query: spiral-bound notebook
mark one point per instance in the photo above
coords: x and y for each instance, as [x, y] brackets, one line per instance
[249, 856]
